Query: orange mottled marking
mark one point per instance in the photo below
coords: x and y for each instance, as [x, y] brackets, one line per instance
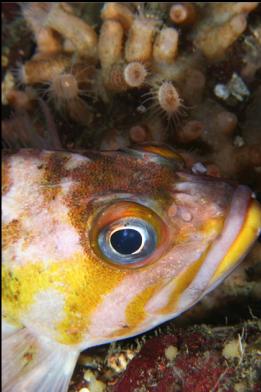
[109, 175]
[11, 233]
[6, 178]
[54, 171]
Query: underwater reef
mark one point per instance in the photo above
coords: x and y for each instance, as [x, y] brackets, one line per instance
[109, 75]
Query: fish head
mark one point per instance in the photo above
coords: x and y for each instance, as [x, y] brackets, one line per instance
[175, 236]
[112, 244]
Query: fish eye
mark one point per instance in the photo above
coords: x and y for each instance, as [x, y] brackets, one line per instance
[128, 234]
[127, 241]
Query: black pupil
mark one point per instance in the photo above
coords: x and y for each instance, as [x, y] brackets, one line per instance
[126, 241]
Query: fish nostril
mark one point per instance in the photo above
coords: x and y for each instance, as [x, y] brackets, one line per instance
[186, 216]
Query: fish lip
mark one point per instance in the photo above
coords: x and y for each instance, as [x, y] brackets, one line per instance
[233, 225]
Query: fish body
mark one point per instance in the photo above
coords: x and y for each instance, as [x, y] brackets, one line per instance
[102, 246]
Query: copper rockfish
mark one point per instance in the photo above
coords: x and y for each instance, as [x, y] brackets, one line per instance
[102, 246]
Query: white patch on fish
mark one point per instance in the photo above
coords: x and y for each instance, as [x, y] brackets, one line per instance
[45, 322]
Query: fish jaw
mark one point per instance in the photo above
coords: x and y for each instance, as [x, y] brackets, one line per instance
[241, 228]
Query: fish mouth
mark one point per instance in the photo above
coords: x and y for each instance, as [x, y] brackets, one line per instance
[241, 228]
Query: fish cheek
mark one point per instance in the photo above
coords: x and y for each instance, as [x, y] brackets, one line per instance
[179, 285]
[135, 312]
[88, 281]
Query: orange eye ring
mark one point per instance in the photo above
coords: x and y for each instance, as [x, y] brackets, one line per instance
[123, 216]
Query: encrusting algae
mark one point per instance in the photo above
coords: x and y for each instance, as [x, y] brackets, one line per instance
[107, 76]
